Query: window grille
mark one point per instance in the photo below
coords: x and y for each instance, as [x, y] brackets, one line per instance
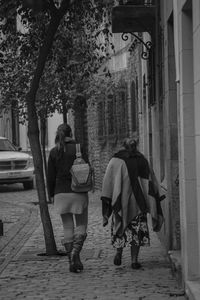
[138, 2]
[122, 113]
[111, 117]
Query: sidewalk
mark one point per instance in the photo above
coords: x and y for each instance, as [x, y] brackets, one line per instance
[27, 275]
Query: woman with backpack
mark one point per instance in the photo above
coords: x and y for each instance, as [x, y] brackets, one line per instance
[68, 204]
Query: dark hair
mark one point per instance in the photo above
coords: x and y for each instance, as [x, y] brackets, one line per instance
[130, 144]
[63, 131]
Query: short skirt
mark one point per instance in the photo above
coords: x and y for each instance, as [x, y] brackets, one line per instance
[73, 203]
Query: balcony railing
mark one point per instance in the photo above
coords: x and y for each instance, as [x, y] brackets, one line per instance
[137, 2]
[134, 16]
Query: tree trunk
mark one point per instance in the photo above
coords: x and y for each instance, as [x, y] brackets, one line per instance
[43, 142]
[64, 111]
[33, 134]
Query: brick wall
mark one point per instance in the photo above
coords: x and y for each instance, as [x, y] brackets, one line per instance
[101, 148]
[81, 127]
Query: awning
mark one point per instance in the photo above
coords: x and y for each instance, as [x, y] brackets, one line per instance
[133, 18]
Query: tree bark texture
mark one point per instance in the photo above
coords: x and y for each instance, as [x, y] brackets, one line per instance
[33, 134]
[64, 111]
[43, 142]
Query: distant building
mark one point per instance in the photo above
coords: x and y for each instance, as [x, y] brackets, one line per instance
[5, 124]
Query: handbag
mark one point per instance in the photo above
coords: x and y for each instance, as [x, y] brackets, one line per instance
[82, 174]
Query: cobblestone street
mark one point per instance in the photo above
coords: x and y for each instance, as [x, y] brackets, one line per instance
[26, 274]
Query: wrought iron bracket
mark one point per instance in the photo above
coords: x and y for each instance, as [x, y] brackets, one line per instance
[138, 40]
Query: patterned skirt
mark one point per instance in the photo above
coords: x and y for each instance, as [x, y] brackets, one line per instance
[136, 233]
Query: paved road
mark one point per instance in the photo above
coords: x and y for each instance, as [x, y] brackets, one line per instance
[26, 274]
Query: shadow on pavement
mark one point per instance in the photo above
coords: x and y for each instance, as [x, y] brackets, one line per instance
[7, 188]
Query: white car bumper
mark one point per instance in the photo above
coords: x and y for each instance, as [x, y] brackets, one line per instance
[14, 176]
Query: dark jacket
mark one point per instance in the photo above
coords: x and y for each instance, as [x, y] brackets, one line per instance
[59, 165]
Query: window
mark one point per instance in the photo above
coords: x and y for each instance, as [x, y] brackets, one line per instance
[111, 116]
[122, 113]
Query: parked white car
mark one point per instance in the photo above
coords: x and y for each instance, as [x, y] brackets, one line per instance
[15, 166]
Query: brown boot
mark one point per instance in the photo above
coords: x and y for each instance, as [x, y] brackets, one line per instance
[76, 264]
[118, 257]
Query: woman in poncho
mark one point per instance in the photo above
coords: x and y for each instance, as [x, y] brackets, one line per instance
[129, 192]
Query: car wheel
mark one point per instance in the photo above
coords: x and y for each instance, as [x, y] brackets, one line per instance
[28, 185]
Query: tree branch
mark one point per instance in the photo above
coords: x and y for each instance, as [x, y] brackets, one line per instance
[65, 5]
[52, 7]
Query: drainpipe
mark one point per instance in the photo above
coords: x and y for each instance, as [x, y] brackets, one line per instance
[1, 228]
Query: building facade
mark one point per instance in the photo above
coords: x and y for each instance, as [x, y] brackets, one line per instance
[185, 31]
[165, 85]
[180, 24]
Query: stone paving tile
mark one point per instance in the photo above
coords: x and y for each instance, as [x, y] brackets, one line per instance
[49, 278]
[10, 215]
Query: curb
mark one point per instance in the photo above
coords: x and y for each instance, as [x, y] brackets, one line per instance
[193, 289]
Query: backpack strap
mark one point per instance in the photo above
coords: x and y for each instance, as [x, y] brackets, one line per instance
[78, 151]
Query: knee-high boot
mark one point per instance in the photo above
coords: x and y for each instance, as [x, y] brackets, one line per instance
[68, 247]
[76, 264]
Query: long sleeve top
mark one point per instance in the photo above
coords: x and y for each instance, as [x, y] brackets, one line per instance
[59, 165]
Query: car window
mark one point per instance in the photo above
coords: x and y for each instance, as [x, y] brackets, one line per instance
[5, 145]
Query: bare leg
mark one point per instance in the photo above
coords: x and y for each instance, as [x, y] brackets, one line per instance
[82, 222]
[68, 228]
[118, 257]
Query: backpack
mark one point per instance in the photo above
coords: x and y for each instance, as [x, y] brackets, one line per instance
[82, 174]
